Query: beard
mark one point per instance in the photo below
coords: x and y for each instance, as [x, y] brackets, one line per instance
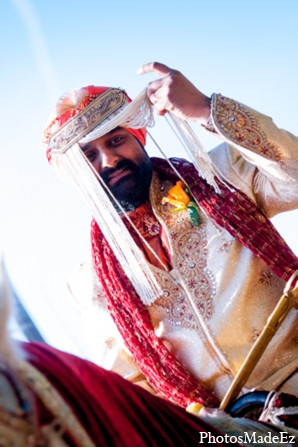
[132, 190]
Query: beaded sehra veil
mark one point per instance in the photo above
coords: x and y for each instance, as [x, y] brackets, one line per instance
[102, 115]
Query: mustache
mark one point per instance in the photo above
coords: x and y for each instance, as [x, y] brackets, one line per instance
[122, 164]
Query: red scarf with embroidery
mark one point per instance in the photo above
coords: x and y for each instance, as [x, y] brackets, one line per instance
[232, 210]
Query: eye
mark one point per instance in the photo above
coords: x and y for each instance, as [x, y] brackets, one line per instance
[116, 140]
[91, 155]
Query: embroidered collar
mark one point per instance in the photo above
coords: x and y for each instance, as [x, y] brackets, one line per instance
[144, 220]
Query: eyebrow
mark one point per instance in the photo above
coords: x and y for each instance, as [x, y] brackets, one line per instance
[86, 146]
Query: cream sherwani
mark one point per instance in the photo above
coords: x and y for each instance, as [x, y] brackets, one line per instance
[233, 291]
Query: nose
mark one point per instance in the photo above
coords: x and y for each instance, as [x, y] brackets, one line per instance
[105, 159]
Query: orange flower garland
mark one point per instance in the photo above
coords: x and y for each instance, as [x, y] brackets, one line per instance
[180, 197]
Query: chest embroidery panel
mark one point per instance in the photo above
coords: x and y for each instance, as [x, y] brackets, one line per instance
[189, 252]
[189, 257]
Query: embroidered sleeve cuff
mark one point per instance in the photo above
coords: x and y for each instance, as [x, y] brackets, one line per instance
[240, 125]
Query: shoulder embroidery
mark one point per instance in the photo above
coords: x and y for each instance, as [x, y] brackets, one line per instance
[240, 124]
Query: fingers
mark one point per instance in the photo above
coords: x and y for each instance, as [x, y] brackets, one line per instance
[157, 94]
[154, 67]
[154, 86]
[160, 103]
[164, 93]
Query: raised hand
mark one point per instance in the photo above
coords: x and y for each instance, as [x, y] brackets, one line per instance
[175, 93]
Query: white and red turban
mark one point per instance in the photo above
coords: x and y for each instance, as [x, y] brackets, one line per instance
[96, 104]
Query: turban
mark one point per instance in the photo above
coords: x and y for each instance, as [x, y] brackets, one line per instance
[91, 106]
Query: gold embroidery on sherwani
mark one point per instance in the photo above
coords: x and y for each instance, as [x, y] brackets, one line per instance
[265, 278]
[226, 247]
[241, 126]
[180, 312]
[189, 256]
[255, 335]
[189, 245]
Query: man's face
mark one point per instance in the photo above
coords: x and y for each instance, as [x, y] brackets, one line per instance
[124, 166]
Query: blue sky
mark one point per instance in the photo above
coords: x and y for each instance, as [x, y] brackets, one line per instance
[245, 50]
